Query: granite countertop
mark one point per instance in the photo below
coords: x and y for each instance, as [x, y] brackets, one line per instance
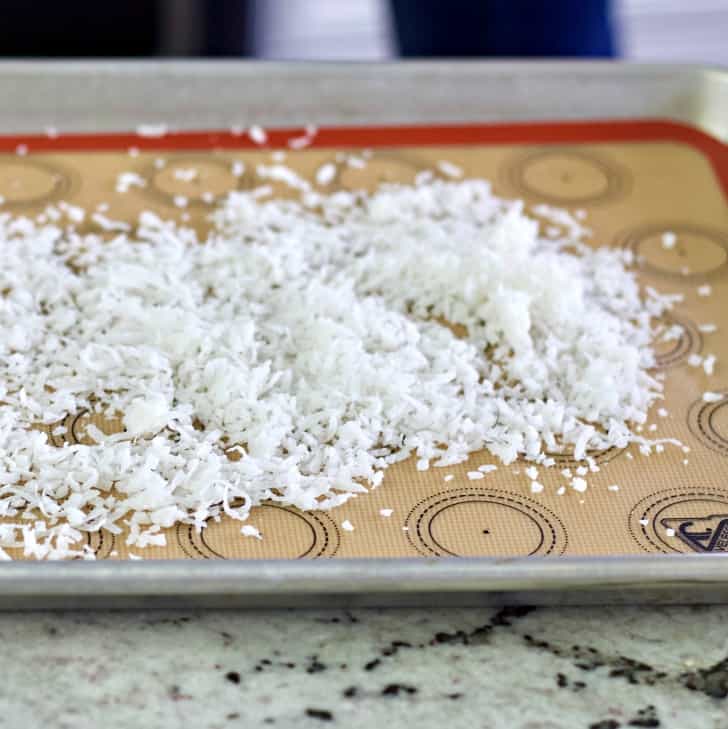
[515, 668]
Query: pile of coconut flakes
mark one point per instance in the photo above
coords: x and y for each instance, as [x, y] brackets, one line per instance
[302, 349]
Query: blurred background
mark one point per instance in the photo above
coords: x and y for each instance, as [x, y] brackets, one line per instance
[660, 30]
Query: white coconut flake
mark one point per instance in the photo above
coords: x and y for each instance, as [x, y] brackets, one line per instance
[186, 174]
[346, 525]
[21, 150]
[449, 169]
[695, 360]
[669, 532]
[668, 240]
[386, 512]
[531, 472]
[709, 364]
[489, 468]
[707, 328]
[237, 168]
[475, 475]
[257, 134]
[448, 478]
[536, 487]
[126, 180]
[151, 130]
[325, 174]
[662, 412]
[578, 484]
[248, 530]
[613, 487]
[705, 290]
[712, 396]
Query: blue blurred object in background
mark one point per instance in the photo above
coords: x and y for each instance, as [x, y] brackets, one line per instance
[505, 28]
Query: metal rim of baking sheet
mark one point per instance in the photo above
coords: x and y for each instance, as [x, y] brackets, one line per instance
[103, 96]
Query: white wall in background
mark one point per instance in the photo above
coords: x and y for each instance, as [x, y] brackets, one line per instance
[665, 30]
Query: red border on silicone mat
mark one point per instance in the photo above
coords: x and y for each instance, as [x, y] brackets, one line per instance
[568, 132]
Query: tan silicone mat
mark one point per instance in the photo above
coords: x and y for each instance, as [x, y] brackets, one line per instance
[632, 192]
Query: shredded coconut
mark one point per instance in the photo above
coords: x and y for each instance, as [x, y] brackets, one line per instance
[126, 180]
[386, 512]
[257, 134]
[151, 130]
[668, 240]
[248, 530]
[712, 396]
[347, 525]
[705, 290]
[300, 352]
[325, 174]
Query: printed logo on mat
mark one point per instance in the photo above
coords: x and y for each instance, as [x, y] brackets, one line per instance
[680, 521]
[469, 522]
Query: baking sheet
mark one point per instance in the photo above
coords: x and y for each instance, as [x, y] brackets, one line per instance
[636, 180]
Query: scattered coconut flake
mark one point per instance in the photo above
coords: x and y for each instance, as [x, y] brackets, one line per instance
[536, 487]
[134, 557]
[325, 174]
[685, 449]
[489, 468]
[248, 530]
[653, 427]
[160, 163]
[449, 169]
[709, 364]
[578, 484]
[668, 240]
[566, 472]
[644, 522]
[257, 134]
[356, 163]
[347, 525]
[531, 472]
[151, 130]
[110, 225]
[695, 360]
[705, 290]
[629, 456]
[180, 201]
[448, 478]
[659, 448]
[613, 487]
[207, 197]
[186, 174]
[423, 464]
[662, 412]
[707, 328]
[712, 396]
[238, 168]
[561, 490]
[126, 180]
[134, 152]
[386, 512]
[475, 475]
[278, 156]
[670, 532]
[582, 471]
[685, 461]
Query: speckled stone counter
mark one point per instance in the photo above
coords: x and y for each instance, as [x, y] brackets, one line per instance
[488, 669]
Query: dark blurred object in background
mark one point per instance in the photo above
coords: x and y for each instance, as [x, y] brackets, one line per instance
[124, 28]
[424, 28]
[505, 28]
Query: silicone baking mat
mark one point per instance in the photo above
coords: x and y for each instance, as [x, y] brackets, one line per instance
[635, 180]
